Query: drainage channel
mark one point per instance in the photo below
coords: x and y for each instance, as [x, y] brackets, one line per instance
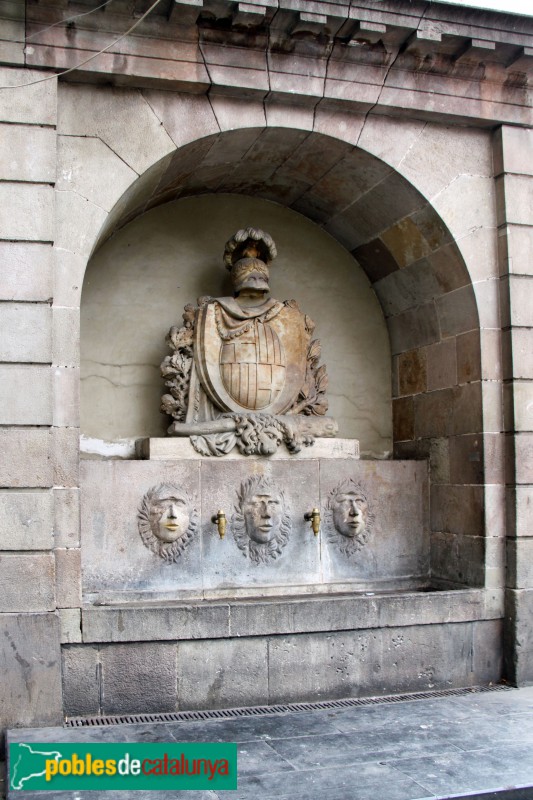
[259, 711]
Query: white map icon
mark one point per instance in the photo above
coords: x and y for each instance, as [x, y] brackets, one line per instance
[17, 782]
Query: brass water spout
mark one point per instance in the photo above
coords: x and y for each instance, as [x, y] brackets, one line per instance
[219, 519]
[314, 518]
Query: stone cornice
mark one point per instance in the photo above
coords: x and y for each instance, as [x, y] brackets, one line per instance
[432, 60]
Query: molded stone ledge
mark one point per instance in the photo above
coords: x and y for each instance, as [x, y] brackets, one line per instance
[168, 448]
[283, 616]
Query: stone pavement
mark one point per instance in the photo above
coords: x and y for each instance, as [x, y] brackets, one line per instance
[478, 745]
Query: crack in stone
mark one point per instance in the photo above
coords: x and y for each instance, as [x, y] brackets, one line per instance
[389, 69]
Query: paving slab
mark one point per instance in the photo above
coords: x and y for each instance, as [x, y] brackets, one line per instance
[474, 746]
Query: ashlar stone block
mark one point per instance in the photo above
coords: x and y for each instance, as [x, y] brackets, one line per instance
[185, 117]
[25, 332]
[25, 395]
[29, 104]
[26, 212]
[26, 520]
[82, 161]
[30, 690]
[26, 457]
[68, 578]
[226, 673]
[122, 118]
[440, 154]
[28, 582]
[26, 271]
[27, 153]
[66, 517]
[81, 680]
[131, 683]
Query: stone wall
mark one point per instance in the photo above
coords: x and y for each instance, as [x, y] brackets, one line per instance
[414, 184]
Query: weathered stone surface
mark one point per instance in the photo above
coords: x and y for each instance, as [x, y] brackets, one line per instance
[433, 413]
[520, 563]
[516, 249]
[66, 411]
[519, 502]
[468, 357]
[70, 625]
[108, 114]
[138, 678]
[518, 310]
[25, 332]
[480, 252]
[27, 153]
[396, 496]
[26, 271]
[457, 509]
[523, 457]
[487, 651]
[513, 150]
[26, 520]
[65, 448]
[313, 667]
[26, 212]
[185, 117]
[467, 203]
[66, 517]
[228, 110]
[403, 420]
[467, 408]
[458, 559]
[66, 337]
[25, 395]
[68, 578]
[28, 582]
[518, 639]
[441, 365]
[114, 558]
[26, 457]
[515, 206]
[81, 163]
[166, 623]
[517, 348]
[390, 139]
[439, 153]
[457, 312]
[81, 680]
[495, 510]
[278, 615]
[30, 104]
[30, 692]
[69, 270]
[412, 372]
[226, 673]
[294, 562]
[467, 459]
[414, 328]
[160, 449]
[78, 223]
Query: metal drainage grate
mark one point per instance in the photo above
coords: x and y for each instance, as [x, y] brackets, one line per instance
[259, 711]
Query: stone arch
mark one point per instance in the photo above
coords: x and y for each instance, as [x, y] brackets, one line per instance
[419, 246]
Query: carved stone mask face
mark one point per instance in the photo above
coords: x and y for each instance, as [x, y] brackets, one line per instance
[169, 517]
[262, 516]
[350, 512]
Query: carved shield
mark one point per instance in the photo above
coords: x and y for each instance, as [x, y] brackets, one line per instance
[253, 367]
[262, 369]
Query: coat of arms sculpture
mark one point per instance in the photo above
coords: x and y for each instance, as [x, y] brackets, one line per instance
[245, 369]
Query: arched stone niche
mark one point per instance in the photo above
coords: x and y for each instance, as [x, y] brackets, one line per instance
[138, 283]
[409, 217]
